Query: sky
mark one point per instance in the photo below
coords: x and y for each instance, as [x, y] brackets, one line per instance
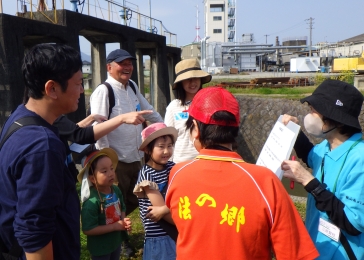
[334, 20]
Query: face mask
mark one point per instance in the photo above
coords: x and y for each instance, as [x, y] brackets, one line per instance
[313, 125]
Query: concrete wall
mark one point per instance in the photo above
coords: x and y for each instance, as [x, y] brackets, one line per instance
[359, 82]
[17, 35]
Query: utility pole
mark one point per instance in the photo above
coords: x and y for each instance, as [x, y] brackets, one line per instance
[266, 35]
[311, 24]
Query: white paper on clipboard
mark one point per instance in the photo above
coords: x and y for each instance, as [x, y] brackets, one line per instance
[278, 146]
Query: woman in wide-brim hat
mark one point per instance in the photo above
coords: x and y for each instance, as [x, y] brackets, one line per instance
[335, 186]
[189, 80]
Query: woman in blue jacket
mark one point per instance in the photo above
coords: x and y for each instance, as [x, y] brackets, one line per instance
[335, 206]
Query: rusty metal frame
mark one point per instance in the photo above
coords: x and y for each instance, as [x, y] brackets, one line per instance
[46, 16]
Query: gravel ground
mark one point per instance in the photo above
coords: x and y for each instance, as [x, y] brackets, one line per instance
[299, 199]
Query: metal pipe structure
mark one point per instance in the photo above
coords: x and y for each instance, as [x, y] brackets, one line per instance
[203, 51]
[213, 56]
[74, 5]
[1, 6]
[245, 45]
[248, 52]
[268, 47]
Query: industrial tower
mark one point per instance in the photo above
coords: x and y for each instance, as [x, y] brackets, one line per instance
[197, 39]
[220, 20]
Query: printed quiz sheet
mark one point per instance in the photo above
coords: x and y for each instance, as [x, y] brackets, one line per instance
[278, 146]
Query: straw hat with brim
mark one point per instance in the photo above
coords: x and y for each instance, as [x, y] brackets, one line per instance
[190, 68]
[157, 130]
[87, 161]
[338, 101]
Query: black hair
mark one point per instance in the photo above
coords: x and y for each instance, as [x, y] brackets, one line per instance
[45, 62]
[149, 147]
[342, 129]
[181, 93]
[216, 134]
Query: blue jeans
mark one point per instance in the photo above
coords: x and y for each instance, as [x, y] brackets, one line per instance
[115, 255]
[159, 248]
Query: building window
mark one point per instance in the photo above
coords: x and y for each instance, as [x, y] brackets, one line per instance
[217, 31]
[216, 8]
[217, 18]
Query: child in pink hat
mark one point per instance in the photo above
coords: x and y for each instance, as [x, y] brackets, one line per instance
[158, 144]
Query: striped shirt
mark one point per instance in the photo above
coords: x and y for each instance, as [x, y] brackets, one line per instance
[157, 178]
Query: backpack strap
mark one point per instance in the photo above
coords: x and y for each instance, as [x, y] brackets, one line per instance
[111, 97]
[29, 120]
[132, 86]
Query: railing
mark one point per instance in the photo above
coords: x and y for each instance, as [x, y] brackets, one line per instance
[115, 12]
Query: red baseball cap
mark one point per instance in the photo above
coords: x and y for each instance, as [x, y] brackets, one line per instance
[211, 100]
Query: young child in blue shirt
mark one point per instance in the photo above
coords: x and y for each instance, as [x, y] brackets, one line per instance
[103, 209]
[157, 143]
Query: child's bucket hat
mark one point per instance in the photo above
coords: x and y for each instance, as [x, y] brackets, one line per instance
[87, 160]
[82, 177]
[157, 130]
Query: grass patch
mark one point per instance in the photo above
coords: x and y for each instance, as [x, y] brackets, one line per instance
[289, 93]
[284, 92]
[87, 91]
[301, 208]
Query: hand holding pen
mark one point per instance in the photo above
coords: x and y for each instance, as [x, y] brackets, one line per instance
[296, 172]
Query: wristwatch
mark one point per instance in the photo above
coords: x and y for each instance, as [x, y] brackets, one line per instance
[320, 188]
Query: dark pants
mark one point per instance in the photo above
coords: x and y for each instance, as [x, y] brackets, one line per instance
[127, 176]
[115, 255]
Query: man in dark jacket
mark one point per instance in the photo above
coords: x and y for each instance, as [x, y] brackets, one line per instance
[39, 206]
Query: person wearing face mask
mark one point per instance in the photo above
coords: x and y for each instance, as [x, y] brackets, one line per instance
[335, 205]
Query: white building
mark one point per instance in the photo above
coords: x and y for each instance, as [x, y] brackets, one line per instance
[86, 67]
[220, 20]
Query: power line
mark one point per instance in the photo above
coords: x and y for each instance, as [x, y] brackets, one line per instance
[290, 28]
